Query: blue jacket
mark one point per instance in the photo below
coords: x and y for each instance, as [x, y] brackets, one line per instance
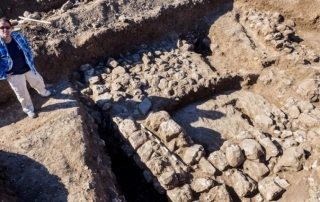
[5, 59]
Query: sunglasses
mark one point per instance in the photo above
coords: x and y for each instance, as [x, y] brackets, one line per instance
[5, 27]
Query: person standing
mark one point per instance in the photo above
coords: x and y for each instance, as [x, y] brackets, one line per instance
[17, 66]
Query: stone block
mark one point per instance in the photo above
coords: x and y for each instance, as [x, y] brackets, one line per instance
[137, 138]
[193, 154]
[169, 130]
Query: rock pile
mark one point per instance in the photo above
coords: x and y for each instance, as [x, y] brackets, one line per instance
[153, 78]
[280, 34]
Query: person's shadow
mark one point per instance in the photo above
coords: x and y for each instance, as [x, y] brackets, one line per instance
[29, 180]
[204, 134]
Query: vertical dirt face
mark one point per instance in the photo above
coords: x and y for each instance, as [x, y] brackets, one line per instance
[15, 8]
[211, 100]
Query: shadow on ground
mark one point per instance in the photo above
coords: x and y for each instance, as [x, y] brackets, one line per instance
[206, 136]
[30, 180]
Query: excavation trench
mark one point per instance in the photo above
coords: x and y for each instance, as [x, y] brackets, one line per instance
[130, 179]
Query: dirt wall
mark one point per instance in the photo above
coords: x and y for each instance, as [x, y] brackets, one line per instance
[58, 52]
[15, 8]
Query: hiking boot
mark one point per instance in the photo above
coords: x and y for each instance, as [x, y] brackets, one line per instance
[31, 114]
[46, 94]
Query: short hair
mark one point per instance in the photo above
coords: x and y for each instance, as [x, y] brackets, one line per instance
[4, 19]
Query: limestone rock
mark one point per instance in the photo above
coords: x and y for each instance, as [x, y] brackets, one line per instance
[206, 167]
[116, 87]
[168, 179]
[217, 193]
[291, 160]
[137, 138]
[88, 74]
[286, 134]
[35, 15]
[281, 182]
[306, 120]
[201, 184]
[99, 89]
[178, 142]
[300, 136]
[181, 194]
[127, 127]
[269, 189]
[305, 106]
[218, 160]
[234, 155]
[186, 47]
[242, 184]
[252, 149]
[146, 150]
[193, 154]
[270, 148]
[289, 142]
[102, 99]
[157, 165]
[265, 122]
[86, 91]
[163, 84]
[255, 170]
[293, 112]
[310, 89]
[145, 59]
[154, 120]
[94, 80]
[112, 63]
[169, 130]
[66, 6]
